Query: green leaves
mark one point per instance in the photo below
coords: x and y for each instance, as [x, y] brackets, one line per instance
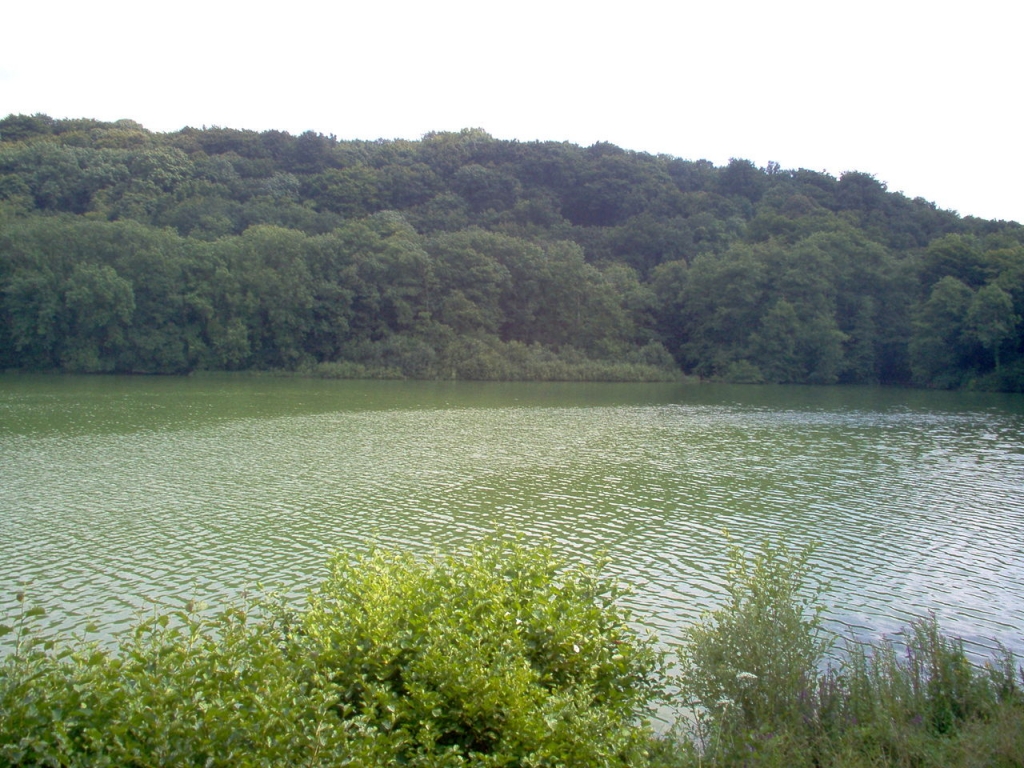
[480, 653]
[502, 655]
[242, 250]
[751, 659]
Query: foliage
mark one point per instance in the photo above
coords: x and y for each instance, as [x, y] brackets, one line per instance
[747, 663]
[502, 656]
[755, 671]
[123, 250]
[505, 655]
[183, 688]
[928, 681]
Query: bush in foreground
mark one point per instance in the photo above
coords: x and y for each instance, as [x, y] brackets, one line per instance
[763, 690]
[504, 656]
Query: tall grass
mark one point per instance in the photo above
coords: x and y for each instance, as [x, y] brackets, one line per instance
[764, 690]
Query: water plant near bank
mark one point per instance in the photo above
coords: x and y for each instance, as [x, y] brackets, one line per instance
[766, 685]
[503, 655]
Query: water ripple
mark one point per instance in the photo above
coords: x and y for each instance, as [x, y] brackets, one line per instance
[915, 512]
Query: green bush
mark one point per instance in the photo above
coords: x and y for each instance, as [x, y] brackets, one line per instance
[503, 656]
[766, 692]
[751, 663]
[182, 688]
[929, 681]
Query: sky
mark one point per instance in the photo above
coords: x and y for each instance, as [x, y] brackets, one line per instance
[926, 96]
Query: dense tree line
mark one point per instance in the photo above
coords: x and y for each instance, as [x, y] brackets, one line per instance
[460, 255]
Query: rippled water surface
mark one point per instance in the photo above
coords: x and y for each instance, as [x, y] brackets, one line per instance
[116, 491]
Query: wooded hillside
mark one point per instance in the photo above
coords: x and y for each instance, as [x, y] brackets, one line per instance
[460, 255]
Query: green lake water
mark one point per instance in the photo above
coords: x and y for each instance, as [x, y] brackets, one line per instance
[117, 491]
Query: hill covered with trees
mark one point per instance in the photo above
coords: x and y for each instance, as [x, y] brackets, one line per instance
[461, 255]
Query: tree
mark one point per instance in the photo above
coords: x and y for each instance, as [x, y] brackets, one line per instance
[544, 243]
[353, 191]
[860, 356]
[470, 283]
[774, 345]
[21, 127]
[34, 309]
[990, 319]
[721, 300]
[393, 279]
[937, 346]
[99, 305]
[744, 179]
[668, 282]
[577, 306]
[486, 188]
[952, 256]
[645, 241]
[860, 191]
[271, 265]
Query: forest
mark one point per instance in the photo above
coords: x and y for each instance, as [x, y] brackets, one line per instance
[464, 256]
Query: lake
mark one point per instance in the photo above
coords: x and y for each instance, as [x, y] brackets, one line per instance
[119, 491]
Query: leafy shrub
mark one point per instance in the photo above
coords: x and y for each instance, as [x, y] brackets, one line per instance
[182, 688]
[752, 661]
[504, 656]
[929, 682]
[755, 673]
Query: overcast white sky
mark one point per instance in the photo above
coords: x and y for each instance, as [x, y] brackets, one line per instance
[927, 96]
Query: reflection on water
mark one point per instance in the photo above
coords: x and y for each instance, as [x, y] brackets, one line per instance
[115, 491]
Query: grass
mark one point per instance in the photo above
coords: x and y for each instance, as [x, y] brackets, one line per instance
[766, 690]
